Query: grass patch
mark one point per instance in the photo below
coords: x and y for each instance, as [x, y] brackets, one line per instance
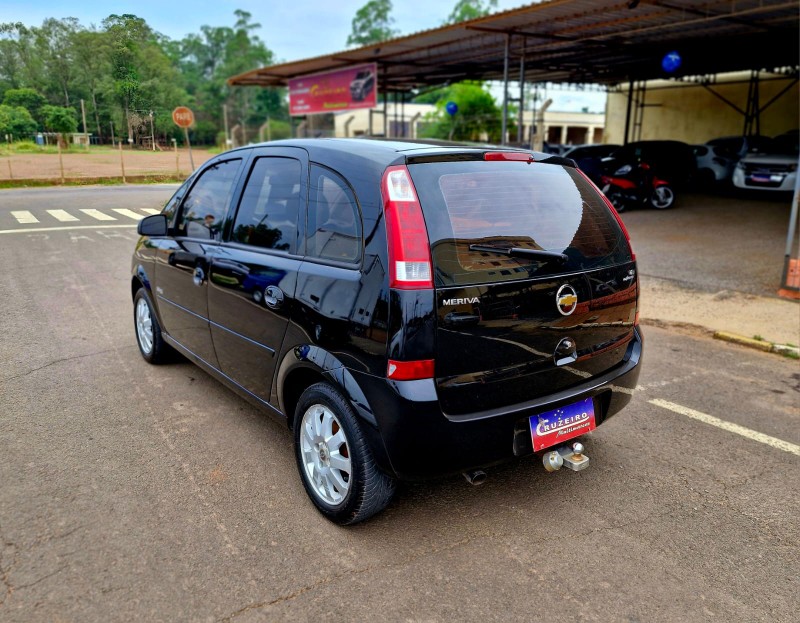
[29, 147]
[93, 181]
[758, 337]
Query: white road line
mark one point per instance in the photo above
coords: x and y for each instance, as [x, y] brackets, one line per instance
[23, 216]
[780, 444]
[128, 213]
[151, 210]
[100, 216]
[36, 230]
[62, 215]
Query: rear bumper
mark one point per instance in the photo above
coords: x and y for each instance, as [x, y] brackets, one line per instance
[421, 442]
[779, 181]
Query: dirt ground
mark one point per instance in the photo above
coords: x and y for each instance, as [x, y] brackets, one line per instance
[105, 163]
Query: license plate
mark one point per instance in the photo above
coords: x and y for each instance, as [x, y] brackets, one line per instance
[553, 427]
[761, 179]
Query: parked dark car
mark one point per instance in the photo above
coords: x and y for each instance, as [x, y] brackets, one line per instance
[408, 310]
[589, 158]
[362, 84]
[672, 161]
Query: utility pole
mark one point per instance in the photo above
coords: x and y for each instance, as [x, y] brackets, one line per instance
[225, 118]
[83, 115]
[152, 132]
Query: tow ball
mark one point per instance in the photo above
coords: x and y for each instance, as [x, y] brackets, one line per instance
[571, 457]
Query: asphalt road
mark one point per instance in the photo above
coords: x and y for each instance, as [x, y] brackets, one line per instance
[137, 493]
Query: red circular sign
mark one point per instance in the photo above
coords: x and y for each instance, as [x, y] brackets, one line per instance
[183, 116]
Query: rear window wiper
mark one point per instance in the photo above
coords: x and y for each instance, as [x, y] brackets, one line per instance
[546, 256]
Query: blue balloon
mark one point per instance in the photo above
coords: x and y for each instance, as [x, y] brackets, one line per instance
[451, 108]
[671, 62]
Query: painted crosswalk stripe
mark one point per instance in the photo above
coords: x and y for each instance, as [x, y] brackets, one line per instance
[151, 211]
[128, 213]
[23, 216]
[62, 215]
[100, 216]
[780, 444]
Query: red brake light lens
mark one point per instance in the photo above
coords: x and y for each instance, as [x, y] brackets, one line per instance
[515, 156]
[409, 246]
[410, 370]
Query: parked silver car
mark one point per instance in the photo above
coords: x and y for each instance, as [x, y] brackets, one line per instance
[773, 169]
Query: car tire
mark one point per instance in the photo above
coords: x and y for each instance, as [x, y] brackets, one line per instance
[335, 463]
[617, 200]
[148, 332]
[662, 198]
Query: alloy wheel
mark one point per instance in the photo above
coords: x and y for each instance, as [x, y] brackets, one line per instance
[144, 326]
[325, 455]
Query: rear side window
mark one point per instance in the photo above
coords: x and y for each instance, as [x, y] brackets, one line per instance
[334, 222]
[267, 214]
[513, 205]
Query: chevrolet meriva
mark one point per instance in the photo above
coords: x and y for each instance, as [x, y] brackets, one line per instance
[409, 310]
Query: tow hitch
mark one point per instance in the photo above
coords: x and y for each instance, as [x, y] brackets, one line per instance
[566, 456]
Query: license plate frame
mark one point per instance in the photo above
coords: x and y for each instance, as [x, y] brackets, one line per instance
[562, 424]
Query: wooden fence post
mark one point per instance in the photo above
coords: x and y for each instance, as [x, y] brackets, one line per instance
[122, 162]
[60, 159]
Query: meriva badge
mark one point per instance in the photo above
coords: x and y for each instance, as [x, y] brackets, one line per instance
[566, 300]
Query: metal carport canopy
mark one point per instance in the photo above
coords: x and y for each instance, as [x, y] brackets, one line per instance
[575, 41]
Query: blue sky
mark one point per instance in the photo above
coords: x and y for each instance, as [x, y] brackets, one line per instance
[292, 30]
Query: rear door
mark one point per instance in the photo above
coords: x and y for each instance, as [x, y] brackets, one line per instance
[253, 274]
[535, 281]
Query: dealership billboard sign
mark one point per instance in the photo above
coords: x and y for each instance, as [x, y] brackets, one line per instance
[332, 91]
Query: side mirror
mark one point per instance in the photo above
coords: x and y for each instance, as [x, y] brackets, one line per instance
[155, 225]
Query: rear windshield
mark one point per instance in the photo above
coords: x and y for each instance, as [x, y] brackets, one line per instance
[513, 205]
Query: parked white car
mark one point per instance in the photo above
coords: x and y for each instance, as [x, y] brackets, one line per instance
[774, 169]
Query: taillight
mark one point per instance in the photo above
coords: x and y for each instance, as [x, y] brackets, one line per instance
[409, 247]
[410, 370]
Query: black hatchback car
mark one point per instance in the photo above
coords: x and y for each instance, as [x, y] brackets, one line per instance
[409, 310]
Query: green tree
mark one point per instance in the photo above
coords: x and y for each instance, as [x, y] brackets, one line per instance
[470, 9]
[208, 59]
[92, 54]
[127, 33]
[16, 121]
[21, 63]
[61, 120]
[143, 78]
[30, 99]
[53, 41]
[372, 23]
[478, 117]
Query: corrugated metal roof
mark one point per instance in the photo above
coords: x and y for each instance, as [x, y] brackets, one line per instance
[578, 41]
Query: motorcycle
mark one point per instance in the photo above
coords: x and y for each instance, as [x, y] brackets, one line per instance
[635, 185]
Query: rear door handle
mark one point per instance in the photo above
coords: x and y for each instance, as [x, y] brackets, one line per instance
[273, 297]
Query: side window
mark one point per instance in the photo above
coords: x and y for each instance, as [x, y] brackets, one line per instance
[172, 205]
[334, 223]
[206, 205]
[267, 215]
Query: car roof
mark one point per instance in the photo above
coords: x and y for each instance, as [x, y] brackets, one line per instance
[389, 150]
